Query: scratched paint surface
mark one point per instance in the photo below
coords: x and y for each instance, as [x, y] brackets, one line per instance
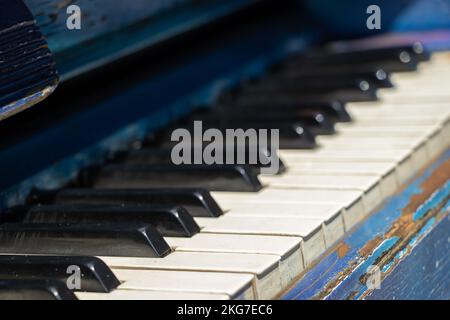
[366, 244]
[430, 265]
[98, 17]
[113, 29]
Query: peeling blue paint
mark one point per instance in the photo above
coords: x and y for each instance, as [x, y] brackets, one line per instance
[328, 269]
[437, 197]
[423, 274]
[352, 283]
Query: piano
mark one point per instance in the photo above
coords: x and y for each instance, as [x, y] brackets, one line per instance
[93, 207]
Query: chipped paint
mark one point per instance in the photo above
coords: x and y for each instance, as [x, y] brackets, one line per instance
[342, 249]
[386, 238]
[370, 246]
[437, 197]
[366, 262]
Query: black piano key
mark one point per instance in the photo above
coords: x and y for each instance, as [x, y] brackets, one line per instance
[378, 55]
[296, 85]
[419, 52]
[96, 276]
[292, 135]
[198, 202]
[126, 240]
[282, 98]
[169, 221]
[404, 62]
[335, 110]
[362, 55]
[238, 178]
[35, 290]
[163, 156]
[360, 91]
[316, 122]
[378, 77]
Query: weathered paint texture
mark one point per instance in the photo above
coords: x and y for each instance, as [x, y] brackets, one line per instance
[395, 238]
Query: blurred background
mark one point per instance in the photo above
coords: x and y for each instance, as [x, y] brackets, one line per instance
[347, 18]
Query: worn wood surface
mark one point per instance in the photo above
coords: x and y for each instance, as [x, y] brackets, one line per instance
[409, 233]
[98, 17]
[425, 272]
[111, 30]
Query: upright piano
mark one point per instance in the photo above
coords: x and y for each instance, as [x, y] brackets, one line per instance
[92, 205]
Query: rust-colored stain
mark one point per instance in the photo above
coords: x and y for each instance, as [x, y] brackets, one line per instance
[370, 246]
[437, 179]
[404, 227]
[342, 249]
[405, 224]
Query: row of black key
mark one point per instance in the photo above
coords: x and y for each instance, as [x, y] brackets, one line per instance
[126, 207]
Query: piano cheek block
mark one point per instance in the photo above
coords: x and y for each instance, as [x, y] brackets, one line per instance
[95, 274]
[129, 240]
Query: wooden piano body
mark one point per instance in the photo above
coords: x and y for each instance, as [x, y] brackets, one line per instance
[192, 53]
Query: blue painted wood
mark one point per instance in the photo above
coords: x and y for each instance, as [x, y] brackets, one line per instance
[113, 29]
[348, 259]
[98, 17]
[128, 114]
[347, 18]
[424, 274]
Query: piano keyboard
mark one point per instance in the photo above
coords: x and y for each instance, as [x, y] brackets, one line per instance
[139, 228]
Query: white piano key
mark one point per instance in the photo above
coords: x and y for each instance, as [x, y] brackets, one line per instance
[415, 95]
[264, 268]
[331, 214]
[352, 201]
[362, 143]
[435, 88]
[149, 295]
[445, 133]
[390, 110]
[439, 141]
[392, 122]
[269, 195]
[234, 285]
[405, 169]
[345, 155]
[419, 88]
[370, 185]
[421, 155]
[342, 168]
[287, 248]
[387, 131]
[306, 181]
[286, 226]
[274, 209]
[390, 182]
[311, 230]
[385, 171]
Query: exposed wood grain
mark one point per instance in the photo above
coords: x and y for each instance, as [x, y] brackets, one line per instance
[396, 240]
